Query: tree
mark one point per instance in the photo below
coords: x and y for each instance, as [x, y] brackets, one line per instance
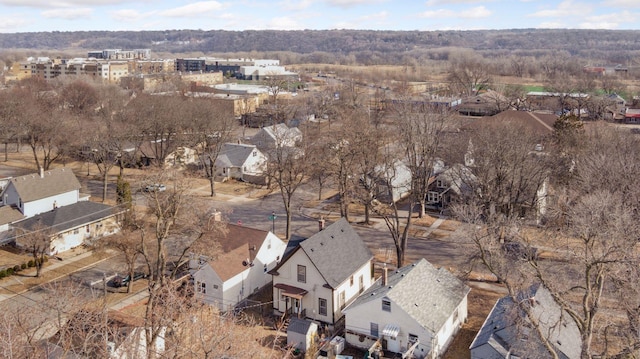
[211, 129]
[160, 121]
[418, 143]
[287, 168]
[37, 241]
[590, 228]
[174, 221]
[468, 74]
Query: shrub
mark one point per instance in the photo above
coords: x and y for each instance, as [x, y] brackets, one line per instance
[3, 273]
[9, 271]
[46, 259]
[23, 265]
[16, 268]
[31, 263]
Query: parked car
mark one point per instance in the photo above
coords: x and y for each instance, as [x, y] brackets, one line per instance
[155, 188]
[119, 281]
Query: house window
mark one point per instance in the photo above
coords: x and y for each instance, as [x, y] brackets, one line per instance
[412, 338]
[386, 305]
[87, 227]
[433, 197]
[265, 268]
[361, 283]
[322, 306]
[342, 299]
[440, 183]
[215, 286]
[302, 274]
[374, 330]
[351, 281]
[76, 231]
[201, 287]
[255, 153]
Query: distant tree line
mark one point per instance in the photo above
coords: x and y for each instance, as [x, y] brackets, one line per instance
[363, 46]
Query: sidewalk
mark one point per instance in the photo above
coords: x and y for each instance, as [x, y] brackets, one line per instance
[53, 270]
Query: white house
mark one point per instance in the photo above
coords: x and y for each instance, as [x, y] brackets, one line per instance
[323, 274]
[247, 255]
[393, 183]
[277, 135]
[507, 331]
[70, 226]
[240, 161]
[37, 193]
[51, 201]
[418, 309]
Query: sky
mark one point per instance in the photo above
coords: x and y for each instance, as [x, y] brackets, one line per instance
[424, 15]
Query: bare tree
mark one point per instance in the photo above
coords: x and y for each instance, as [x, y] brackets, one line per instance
[287, 168]
[211, 129]
[468, 74]
[590, 228]
[36, 241]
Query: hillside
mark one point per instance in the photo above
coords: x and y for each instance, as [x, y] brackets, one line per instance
[609, 45]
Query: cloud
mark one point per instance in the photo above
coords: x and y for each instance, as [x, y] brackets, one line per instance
[193, 9]
[565, 8]
[450, 2]
[128, 15]
[621, 3]
[61, 3]
[284, 23]
[10, 24]
[382, 15]
[293, 5]
[351, 3]
[68, 14]
[609, 21]
[473, 13]
[553, 25]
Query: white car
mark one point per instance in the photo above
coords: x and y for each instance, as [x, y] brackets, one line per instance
[155, 188]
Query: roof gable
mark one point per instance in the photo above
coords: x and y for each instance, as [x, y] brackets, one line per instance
[337, 252]
[427, 294]
[239, 247]
[34, 187]
[501, 331]
[9, 214]
[234, 155]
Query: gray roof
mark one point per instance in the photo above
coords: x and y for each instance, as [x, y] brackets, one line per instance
[506, 328]
[298, 325]
[68, 217]
[426, 293]
[9, 214]
[234, 154]
[33, 187]
[337, 252]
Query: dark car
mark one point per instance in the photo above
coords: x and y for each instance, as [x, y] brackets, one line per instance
[119, 281]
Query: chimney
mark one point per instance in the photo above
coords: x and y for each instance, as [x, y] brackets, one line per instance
[41, 170]
[320, 224]
[384, 275]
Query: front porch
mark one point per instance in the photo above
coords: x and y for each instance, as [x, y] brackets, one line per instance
[293, 299]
